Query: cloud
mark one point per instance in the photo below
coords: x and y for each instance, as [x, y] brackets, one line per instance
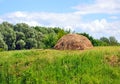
[97, 28]
[43, 19]
[114, 17]
[1, 20]
[99, 6]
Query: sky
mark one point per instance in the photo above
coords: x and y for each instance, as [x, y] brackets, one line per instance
[96, 17]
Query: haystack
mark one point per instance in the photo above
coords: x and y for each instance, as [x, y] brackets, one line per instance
[73, 42]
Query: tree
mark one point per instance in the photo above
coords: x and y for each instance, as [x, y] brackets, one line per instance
[29, 32]
[113, 40]
[106, 40]
[61, 33]
[50, 40]
[100, 43]
[90, 38]
[3, 45]
[31, 43]
[21, 27]
[39, 38]
[43, 30]
[50, 30]
[20, 35]
[20, 44]
[10, 38]
[9, 35]
[6, 24]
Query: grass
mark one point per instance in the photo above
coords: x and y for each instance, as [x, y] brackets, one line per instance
[38, 66]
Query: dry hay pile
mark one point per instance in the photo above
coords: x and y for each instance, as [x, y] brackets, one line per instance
[113, 60]
[73, 42]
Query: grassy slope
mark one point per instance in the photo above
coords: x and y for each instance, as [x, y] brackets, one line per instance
[59, 67]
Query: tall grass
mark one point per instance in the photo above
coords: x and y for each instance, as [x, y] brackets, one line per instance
[59, 67]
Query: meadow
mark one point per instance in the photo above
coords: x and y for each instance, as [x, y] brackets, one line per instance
[99, 65]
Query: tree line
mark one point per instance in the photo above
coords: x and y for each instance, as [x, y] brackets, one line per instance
[22, 36]
[103, 41]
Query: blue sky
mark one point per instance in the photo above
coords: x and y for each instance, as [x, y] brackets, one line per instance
[38, 5]
[96, 17]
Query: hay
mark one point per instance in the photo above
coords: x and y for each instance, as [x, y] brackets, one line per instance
[112, 60]
[73, 42]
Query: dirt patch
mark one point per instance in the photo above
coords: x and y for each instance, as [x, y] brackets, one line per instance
[113, 60]
[73, 42]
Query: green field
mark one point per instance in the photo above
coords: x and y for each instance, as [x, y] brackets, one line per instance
[95, 66]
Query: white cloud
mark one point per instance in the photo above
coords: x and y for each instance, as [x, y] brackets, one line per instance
[43, 19]
[73, 21]
[1, 20]
[99, 6]
[17, 14]
[114, 17]
[99, 28]
[95, 26]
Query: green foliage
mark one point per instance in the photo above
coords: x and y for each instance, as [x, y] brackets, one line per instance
[113, 41]
[9, 35]
[39, 38]
[3, 45]
[23, 36]
[31, 43]
[50, 40]
[100, 43]
[20, 35]
[20, 44]
[41, 29]
[21, 27]
[60, 32]
[6, 24]
[105, 39]
[93, 41]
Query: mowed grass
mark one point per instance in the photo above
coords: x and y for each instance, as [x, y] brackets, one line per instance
[38, 66]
